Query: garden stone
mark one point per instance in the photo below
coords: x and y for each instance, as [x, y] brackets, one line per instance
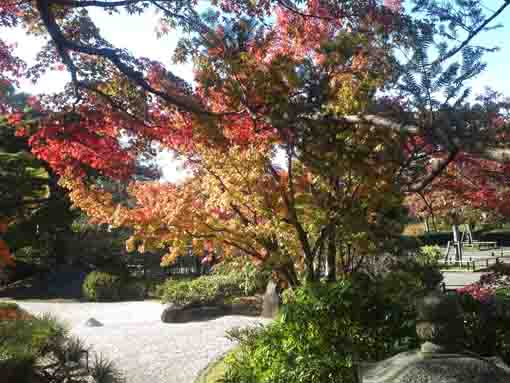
[440, 359]
[247, 306]
[271, 303]
[170, 312]
[92, 322]
[174, 313]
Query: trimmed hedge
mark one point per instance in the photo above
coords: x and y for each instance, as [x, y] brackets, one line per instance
[102, 286]
[202, 290]
[107, 286]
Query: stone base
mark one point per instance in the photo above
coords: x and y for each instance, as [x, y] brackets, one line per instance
[174, 313]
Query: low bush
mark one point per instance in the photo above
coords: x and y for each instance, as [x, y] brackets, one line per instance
[40, 350]
[103, 286]
[133, 289]
[430, 254]
[486, 320]
[251, 278]
[323, 330]
[201, 290]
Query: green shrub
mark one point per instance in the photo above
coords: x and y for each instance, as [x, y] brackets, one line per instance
[252, 279]
[486, 320]
[321, 332]
[204, 289]
[430, 254]
[40, 349]
[22, 339]
[103, 286]
[133, 289]
[502, 292]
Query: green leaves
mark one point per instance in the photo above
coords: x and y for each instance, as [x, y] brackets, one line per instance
[323, 330]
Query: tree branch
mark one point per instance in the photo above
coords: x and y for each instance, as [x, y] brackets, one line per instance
[438, 169]
[63, 45]
[96, 3]
[471, 35]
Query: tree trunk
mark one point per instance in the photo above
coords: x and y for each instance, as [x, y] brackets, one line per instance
[331, 257]
[320, 264]
[60, 229]
[287, 273]
[309, 269]
[426, 223]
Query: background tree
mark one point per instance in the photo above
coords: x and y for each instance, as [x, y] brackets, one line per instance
[471, 189]
[283, 130]
[36, 209]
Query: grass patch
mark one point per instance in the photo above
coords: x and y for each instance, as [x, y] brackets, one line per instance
[215, 371]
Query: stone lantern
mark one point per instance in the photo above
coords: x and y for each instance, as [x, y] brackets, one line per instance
[440, 358]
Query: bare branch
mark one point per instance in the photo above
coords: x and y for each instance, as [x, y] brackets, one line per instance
[382, 122]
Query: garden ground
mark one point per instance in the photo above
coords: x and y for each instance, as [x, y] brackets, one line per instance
[143, 347]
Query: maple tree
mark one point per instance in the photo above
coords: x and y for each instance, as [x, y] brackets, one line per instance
[295, 158]
[471, 189]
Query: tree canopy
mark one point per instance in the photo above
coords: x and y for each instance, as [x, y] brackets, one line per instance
[307, 124]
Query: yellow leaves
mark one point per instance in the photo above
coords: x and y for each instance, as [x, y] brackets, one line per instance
[131, 244]
[170, 258]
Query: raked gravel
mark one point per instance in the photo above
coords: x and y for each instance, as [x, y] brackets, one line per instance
[145, 349]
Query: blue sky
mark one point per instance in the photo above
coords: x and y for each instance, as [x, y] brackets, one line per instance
[497, 74]
[137, 34]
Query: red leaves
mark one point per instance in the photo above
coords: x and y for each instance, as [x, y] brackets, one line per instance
[15, 118]
[468, 183]
[5, 255]
[481, 294]
[72, 146]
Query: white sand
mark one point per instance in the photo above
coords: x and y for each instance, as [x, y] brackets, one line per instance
[145, 349]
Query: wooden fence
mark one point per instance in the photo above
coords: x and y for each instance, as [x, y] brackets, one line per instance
[474, 264]
[149, 266]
